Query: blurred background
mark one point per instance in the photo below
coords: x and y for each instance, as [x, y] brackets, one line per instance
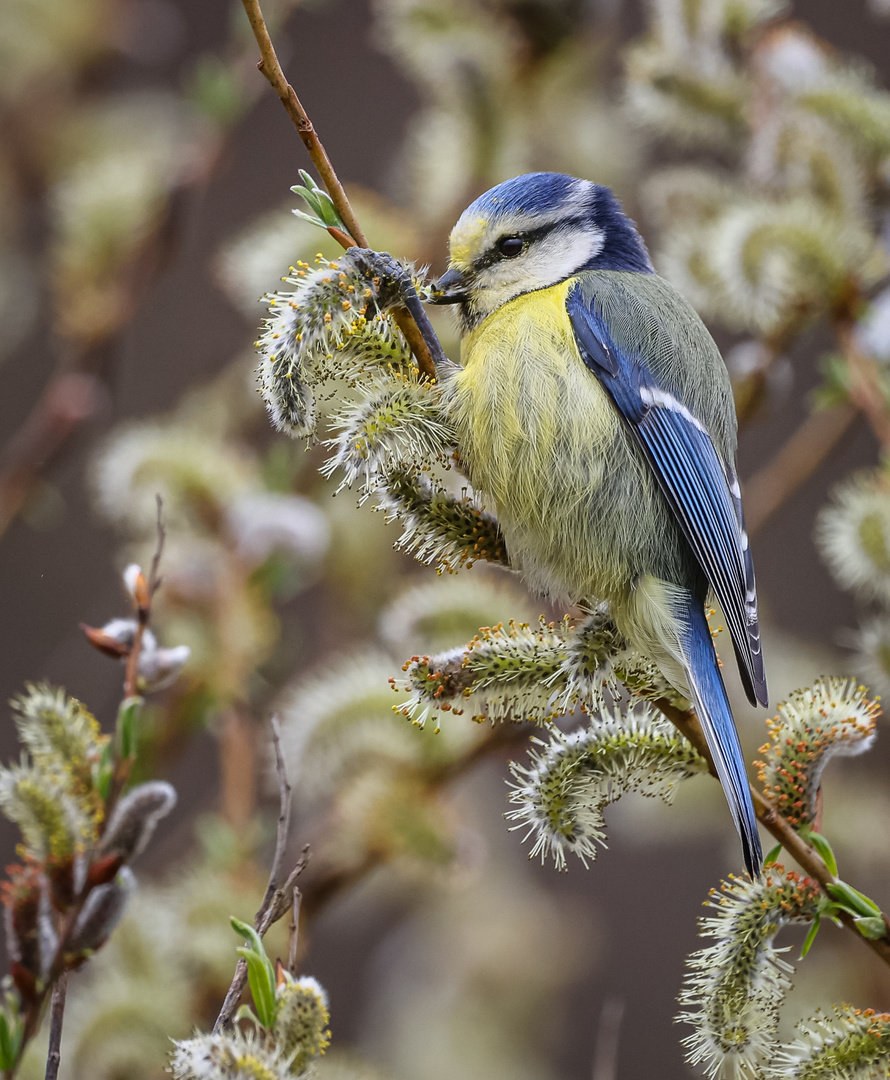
[145, 169]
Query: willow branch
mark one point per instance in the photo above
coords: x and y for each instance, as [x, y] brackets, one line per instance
[270, 66]
[803, 854]
[293, 933]
[279, 898]
[57, 1016]
[145, 591]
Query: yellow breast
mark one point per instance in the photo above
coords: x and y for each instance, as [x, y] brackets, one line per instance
[525, 404]
[535, 431]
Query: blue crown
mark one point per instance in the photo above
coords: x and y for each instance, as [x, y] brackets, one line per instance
[584, 202]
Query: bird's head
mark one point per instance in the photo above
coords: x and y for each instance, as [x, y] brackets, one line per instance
[532, 232]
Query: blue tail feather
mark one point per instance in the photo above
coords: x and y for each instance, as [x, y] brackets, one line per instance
[712, 705]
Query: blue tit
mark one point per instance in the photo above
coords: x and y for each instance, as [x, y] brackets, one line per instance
[593, 409]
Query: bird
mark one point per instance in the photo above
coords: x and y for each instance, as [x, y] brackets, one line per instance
[592, 407]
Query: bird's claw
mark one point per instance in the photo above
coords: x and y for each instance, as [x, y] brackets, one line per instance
[392, 279]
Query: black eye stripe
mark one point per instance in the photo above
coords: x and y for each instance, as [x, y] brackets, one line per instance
[493, 255]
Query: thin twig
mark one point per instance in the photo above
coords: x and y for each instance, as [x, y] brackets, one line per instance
[57, 1016]
[804, 855]
[278, 900]
[143, 600]
[154, 581]
[285, 795]
[293, 942]
[57, 976]
[270, 66]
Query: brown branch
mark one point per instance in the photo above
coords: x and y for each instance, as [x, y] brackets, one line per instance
[57, 1015]
[278, 900]
[270, 66]
[796, 461]
[293, 941]
[154, 580]
[285, 797]
[804, 855]
[143, 596]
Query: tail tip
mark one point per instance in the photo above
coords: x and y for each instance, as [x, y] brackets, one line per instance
[752, 851]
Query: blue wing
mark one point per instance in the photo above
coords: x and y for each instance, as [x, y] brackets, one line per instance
[701, 490]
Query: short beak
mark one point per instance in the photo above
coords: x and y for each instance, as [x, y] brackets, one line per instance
[451, 288]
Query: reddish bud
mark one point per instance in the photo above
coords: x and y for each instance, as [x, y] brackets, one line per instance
[105, 643]
[25, 980]
[61, 880]
[104, 869]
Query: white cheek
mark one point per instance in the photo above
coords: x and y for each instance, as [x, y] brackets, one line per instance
[549, 261]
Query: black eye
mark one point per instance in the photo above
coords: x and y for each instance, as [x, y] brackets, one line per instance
[511, 246]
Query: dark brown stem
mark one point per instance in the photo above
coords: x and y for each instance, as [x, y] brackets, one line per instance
[154, 580]
[293, 940]
[145, 591]
[57, 1015]
[270, 66]
[285, 796]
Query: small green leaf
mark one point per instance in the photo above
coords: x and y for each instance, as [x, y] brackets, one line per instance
[103, 770]
[824, 848]
[311, 219]
[871, 927]
[260, 971]
[245, 930]
[329, 211]
[773, 855]
[308, 195]
[851, 900]
[810, 938]
[324, 213]
[246, 1013]
[6, 1054]
[261, 987]
[11, 1032]
[127, 715]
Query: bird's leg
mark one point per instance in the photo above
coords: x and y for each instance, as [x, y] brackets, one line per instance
[395, 288]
